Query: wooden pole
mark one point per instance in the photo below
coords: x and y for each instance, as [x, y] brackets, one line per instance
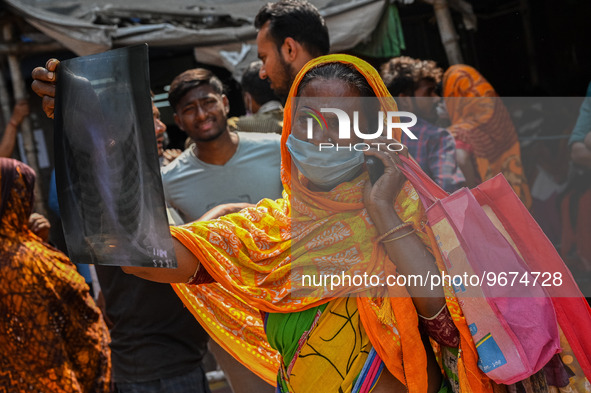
[20, 93]
[447, 31]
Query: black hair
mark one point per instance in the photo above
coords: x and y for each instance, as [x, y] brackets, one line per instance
[189, 80]
[350, 75]
[340, 71]
[297, 19]
[402, 75]
[259, 89]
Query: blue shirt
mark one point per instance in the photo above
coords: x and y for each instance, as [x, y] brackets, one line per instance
[435, 151]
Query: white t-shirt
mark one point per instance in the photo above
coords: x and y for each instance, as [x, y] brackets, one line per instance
[193, 187]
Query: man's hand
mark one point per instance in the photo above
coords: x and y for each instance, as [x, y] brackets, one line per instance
[169, 155]
[40, 226]
[468, 168]
[580, 154]
[44, 80]
[587, 140]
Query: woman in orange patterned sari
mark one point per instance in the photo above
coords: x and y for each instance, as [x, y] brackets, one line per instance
[246, 270]
[52, 336]
[483, 130]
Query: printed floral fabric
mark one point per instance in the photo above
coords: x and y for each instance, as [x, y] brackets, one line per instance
[52, 336]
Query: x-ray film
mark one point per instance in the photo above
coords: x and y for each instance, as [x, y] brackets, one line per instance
[106, 159]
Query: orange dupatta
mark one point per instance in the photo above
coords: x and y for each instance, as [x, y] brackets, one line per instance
[52, 335]
[480, 119]
[255, 254]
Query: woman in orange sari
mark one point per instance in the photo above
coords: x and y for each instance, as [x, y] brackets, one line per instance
[52, 336]
[331, 222]
[485, 135]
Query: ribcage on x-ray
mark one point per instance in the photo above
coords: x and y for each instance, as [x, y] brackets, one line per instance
[108, 185]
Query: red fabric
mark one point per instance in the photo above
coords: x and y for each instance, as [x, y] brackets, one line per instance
[572, 310]
[464, 146]
[518, 320]
[441, 328]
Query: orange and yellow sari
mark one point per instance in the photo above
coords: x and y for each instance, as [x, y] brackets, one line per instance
[481, 124]
[257, 256]
[52, 336]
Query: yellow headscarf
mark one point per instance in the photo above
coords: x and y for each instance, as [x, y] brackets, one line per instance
[255, 254]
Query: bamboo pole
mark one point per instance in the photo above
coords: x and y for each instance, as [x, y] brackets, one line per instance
[447, 31]
[20, 93]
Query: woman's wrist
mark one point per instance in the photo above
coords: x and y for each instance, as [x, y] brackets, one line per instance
[385, 218]
[393, 233]
[14, 123]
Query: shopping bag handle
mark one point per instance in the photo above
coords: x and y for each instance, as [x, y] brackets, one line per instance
[428, 190]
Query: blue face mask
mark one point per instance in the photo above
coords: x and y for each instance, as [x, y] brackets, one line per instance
[327, 168]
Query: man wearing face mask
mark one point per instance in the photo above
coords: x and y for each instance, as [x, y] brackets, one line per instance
[264, 111]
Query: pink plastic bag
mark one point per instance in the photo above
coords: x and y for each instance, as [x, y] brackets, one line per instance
[572, 310]
[513, 324]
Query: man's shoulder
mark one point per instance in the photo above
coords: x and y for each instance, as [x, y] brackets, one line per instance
[259, 140]
[258, 149]
[179, 165]
[259, 137]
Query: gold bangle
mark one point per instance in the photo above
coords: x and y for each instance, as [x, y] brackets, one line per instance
[399, 237]
[195, 277]
[396, 228]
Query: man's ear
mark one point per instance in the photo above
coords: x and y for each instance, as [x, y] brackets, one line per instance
[177, 121]
[290, 49]
[247, 99]
[226, 103]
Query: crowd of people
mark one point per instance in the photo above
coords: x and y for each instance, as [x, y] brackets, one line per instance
[253, 205]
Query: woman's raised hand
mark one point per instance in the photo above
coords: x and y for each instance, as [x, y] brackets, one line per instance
[383, 193]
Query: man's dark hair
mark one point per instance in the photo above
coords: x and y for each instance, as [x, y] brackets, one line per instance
[189, 80]
[259, 89]
[297, 19]
[402, 75]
